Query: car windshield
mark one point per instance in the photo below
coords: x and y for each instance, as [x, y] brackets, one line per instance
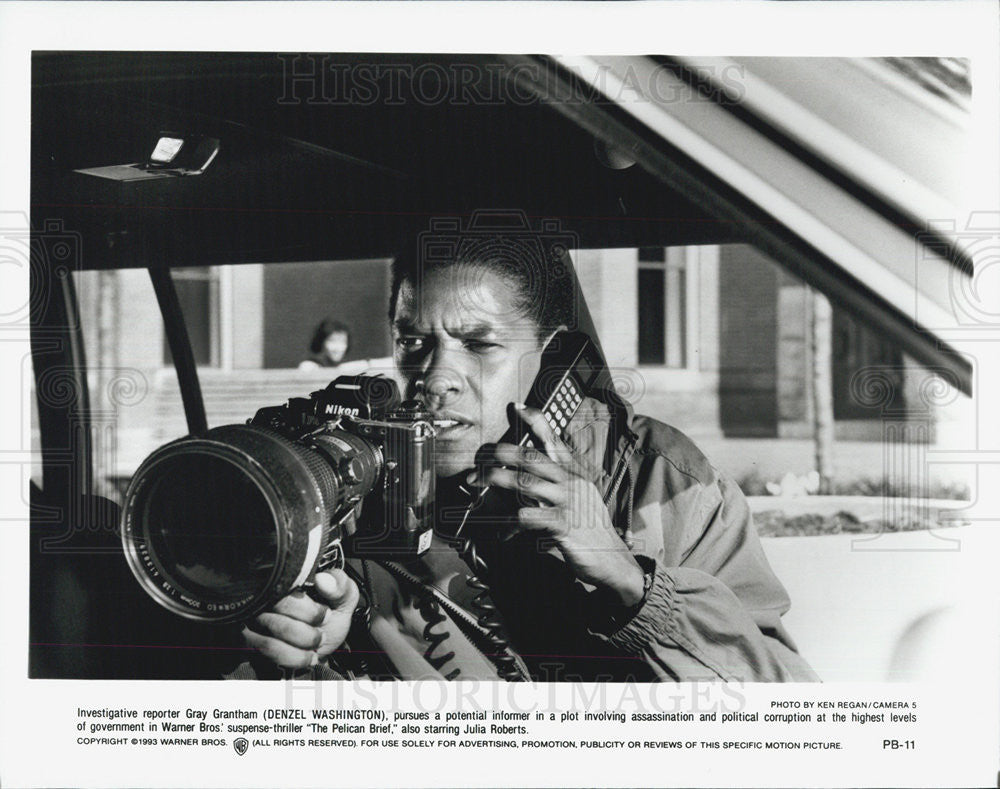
[715, 339]
[789, 391]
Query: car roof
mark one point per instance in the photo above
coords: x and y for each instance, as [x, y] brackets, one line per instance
[306, 174]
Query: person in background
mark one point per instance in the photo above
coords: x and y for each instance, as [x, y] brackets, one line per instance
[329, 345]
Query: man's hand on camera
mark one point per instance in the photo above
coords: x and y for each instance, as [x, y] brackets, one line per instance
[570, 508]
[299, 632]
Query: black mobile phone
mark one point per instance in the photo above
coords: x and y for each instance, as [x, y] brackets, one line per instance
[570, 366]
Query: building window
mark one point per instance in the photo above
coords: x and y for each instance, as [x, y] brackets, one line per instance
[856, 347]
[662, 306]
[198, 294]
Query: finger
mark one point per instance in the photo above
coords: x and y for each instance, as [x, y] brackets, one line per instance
[301, 606]
[543, 432]
[530, 459]
[338, 590]
[540, 520]
[278, 652]
[527, 484]
[289, 630]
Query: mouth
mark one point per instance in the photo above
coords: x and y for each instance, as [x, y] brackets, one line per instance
[449, 425]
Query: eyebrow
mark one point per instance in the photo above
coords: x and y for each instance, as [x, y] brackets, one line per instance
[477, 331]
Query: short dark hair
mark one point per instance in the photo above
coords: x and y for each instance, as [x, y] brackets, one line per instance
[326, 327]
[545, 289]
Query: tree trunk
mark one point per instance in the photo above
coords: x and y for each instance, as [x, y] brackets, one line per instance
[822, 388]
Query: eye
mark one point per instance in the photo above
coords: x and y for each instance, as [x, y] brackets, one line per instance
[410, 344]
[480, 346]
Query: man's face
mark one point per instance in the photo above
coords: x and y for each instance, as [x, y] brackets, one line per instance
[464, 350]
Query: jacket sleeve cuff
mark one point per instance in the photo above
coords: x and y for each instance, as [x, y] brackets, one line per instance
[651, 621]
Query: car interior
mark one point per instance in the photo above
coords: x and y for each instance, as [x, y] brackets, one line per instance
[292, 160]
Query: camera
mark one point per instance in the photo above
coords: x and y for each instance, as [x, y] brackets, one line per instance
[218, 527]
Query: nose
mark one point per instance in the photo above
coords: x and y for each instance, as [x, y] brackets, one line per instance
[439, 383]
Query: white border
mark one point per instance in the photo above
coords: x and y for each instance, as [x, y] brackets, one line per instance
[34, 714]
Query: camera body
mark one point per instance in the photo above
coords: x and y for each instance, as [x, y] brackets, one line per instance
[381, 451]
[219, 527]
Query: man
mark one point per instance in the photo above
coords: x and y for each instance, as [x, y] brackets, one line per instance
[666, 582]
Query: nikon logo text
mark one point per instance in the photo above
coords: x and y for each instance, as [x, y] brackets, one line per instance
[341, 410]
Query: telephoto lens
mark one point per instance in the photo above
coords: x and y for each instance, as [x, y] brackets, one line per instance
[221, 526]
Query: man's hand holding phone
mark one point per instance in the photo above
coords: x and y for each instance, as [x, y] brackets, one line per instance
[570, 507]
[302, 630]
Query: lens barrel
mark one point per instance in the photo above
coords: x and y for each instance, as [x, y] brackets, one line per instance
[219, 527]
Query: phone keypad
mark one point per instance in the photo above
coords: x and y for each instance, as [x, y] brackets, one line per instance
[562, 405]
